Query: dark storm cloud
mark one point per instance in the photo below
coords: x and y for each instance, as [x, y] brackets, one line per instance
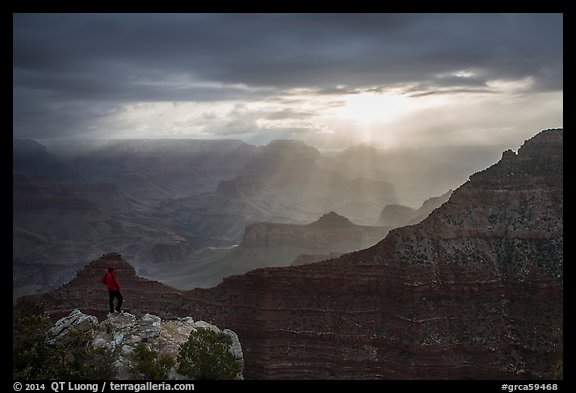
[103, 59]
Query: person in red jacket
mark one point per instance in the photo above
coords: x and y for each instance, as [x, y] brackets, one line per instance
[111, 281]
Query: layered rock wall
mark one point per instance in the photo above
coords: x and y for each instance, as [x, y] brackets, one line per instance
[475, 291]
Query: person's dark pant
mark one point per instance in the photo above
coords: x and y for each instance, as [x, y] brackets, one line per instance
[115, 294]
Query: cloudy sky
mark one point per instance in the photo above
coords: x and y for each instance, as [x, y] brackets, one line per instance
[331, 80]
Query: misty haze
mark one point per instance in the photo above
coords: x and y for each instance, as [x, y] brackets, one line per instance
[378, 195]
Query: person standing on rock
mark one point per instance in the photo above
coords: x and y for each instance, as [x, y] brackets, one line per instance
[111, 281]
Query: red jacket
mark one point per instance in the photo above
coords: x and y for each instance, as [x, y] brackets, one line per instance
[111, 281]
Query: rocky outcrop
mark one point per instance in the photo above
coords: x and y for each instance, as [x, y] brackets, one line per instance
[396, 216]
[264, 244]
[76, 321]
[121, 334]
[267, 244]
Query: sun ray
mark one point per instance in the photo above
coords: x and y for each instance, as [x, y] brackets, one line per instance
[371, 107]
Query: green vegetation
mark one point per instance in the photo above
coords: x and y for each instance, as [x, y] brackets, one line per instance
[206, 356]
[33, 358]
[150, 364]
[559, 371]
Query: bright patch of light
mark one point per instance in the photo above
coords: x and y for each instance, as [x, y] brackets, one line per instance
[373, 107]
[511, 86]
[458, 74]
[464, 74]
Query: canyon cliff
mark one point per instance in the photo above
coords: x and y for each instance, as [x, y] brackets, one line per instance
[282, 243]
[474, 291]
[268, 244]
[168, 204]
[398, 215]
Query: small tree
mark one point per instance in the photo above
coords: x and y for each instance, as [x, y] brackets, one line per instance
[81, 360]
[206, 356]
[559, 371]
[29, 352]
[33, 358]
[150, 364]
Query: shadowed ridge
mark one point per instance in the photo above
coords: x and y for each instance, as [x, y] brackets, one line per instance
[87, 293]
[332, 221]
